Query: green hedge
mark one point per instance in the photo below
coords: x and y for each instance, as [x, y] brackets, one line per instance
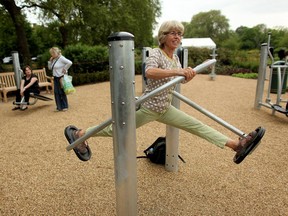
[91, 64]
[87, 59]
[246, 76]
[86, 78]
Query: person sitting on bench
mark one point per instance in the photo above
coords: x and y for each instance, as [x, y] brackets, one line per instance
[29, 84]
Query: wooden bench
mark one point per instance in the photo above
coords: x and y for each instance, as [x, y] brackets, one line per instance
[8, 84]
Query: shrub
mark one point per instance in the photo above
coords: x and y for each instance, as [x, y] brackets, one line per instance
[138, 66]
[87, 59]
[198, 55]
[246, 75]
[85, 78]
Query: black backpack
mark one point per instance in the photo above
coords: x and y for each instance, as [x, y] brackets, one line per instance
[157, 152]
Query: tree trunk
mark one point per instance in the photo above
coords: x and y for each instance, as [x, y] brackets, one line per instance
[64, 33]
[18, 20]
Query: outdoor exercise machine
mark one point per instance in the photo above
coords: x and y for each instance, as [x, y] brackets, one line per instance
[18, 73]
[35, 97]
[123, 105]
[281, 73]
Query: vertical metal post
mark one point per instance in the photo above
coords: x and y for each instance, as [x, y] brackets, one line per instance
[17, 68]
[172, 133]
[270, 54]
[279, 87]
[172, 141]
[145, 53]
[122, 71]
[261, 76]
[213, 74]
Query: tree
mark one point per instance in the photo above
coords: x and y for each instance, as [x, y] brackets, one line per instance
[92, 21]
[279, 38]
[101, 18]
[252, 38]
[7, 34]
[208, 24]
[233, 42]
[19, 24]
[139, 19]
[64, 14]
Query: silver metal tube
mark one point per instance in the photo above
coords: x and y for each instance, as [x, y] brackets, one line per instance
[271, 69]
[172, 140]
[17, 68]
[185, 58]
[283, 79]
[89, 134]
[213, 74]
[145, 53]
[261, 76]
[178, 79]
[279, 66]
[279, 85]
[121, 62]
[269, 85]
[266, 105]
[268, 48]
[209, 114]
[172, 133]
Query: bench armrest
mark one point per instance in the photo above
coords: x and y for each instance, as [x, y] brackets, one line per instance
[49, 78]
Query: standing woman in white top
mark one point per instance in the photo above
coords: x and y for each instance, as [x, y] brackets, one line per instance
[59, 66]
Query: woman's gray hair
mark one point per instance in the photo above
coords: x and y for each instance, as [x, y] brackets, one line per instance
[166, 27]
[55, 50]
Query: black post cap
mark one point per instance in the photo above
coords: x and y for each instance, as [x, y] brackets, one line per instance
[117, 36]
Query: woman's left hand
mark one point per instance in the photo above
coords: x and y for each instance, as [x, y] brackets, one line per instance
[189, 74]
[22, 91]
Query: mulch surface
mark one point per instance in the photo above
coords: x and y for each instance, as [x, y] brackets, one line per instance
[39, 177]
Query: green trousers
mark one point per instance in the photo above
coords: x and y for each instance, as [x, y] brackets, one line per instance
[176, 118]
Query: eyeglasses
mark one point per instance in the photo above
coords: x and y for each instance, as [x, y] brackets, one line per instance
[174, 34]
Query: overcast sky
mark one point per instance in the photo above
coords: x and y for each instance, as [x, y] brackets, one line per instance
[239, 12]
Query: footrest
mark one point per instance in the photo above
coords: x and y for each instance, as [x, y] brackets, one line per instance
[280, 109]
[20, 103]
[251, 147]
[69, 132]
[40, 97]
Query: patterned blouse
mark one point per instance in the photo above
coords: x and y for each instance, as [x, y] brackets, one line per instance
[158, 59]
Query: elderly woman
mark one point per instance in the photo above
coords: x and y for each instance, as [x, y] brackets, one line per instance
[163, 66]
[29, 84]
[59, 66]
